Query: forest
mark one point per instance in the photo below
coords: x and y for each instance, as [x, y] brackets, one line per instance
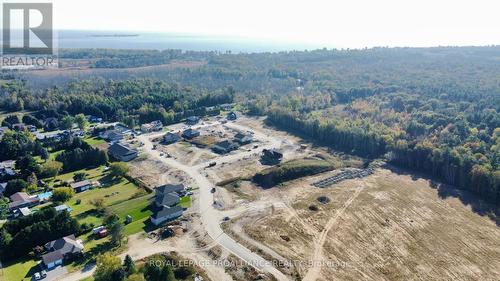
[432, 110]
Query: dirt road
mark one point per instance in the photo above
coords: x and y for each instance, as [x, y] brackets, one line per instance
[211, 217]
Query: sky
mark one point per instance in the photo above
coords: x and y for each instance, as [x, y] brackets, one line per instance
[329, 23]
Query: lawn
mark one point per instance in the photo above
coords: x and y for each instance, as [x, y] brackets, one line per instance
[19, 270]
[185, 202]
[138, 209]
[119, 192]
[94, 141]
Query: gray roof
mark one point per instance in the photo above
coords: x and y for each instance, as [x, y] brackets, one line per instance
[171, 137]
[3, 185]
[169, 188]
[80, 184]
[225, 144]
[167, 199]
[119, 149]
[65, 245]
[52, 257]
[163, 212]
[190, 132]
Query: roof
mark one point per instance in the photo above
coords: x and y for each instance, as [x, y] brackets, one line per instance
[171, 135]
[113, 134]
[19, 196]
[65, 245]
[3, 185]
[241, 136]
[272, 153]
[52, 257]
[120, 149]
[190, 132]
[193, 118]
[163, 212]
[225, 144]
[62, 207]
[80, 184]
[167, 199]
[25, 211]
[169, 188]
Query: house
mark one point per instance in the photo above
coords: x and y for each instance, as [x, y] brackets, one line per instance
[190, 133]
[243, 138]
[94, 119]
[191, 120]
[152, 127]
[178, 189]
[122, 152]
[21, 199]
[81, 186]
[7, 169]
[168, 200]
[271, 156]
[52, 259]
[63, 248]
[63, 208]
[166, 203]
[231, 116]
[164, 214]
[112, 135]
[224, 146]
[56, 136]
[23, 212]
[170, 138]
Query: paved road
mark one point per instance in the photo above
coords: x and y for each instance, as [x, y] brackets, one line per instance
[211, 217]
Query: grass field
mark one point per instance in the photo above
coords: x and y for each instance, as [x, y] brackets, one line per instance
[94, 141]
[18, 270]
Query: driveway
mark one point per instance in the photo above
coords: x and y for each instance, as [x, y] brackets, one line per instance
[55, 273]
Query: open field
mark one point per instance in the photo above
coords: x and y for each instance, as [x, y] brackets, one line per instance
[384, 227]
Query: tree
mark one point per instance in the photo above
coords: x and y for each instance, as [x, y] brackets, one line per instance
[51, 169]
[30, 120]
[98, 203]
[27, 165]
[79, 176]
[118, 275]
[15, 185]
[106, 265]
[62, 194]
[4, 208]
[81, 121]
[67, 122]
[118, 169]
[116, 232]
[44, 154]
[129, 265]
[157, 269]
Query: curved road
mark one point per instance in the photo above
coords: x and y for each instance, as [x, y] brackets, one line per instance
[210, 217]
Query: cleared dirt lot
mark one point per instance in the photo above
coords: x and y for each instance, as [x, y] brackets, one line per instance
[396, 228]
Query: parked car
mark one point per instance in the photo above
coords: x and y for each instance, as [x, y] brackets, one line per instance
[226, 219]
[212, 190]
